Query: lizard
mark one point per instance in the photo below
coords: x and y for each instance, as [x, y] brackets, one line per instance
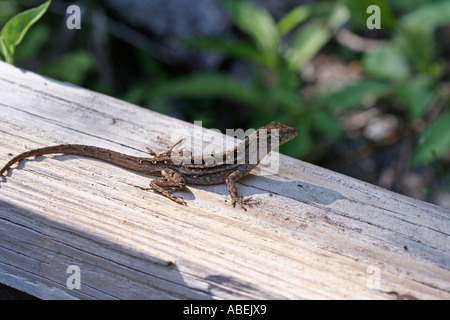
[175, 175]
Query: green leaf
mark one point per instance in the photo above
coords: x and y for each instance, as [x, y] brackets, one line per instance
[386, 63]
[232, 48]
[293, 18]
[313, 36]
[428, 16]
[327, 123]
[406, 5]
[434, 142]
[34, 42]
[286, 97]
[416, 32]
[209, 85]
[258, 24]
[417, 94]
[4, 51]
[16, 28]
[302, 146]
[306, 44]
[72, 67]
[418, 45]
[354, 95]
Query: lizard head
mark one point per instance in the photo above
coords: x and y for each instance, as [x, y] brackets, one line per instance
[285, 133]
[263, 140]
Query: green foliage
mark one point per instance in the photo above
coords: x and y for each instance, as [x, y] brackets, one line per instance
[7, 9]
[209, 85]
[428, 16]
[259, 25]
[415, 39]
[314, 35]
[232, 48]
[435, 141]
[33, 43]
[278, 50]
[404, 69]
[293, 18]
[386, 63]
[16, 28]
[405, 72]
[71, 67]
[417, 94]
[359, 14]
[354, 95]
[415, 36]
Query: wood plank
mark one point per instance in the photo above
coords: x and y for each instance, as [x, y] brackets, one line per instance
[316, 233]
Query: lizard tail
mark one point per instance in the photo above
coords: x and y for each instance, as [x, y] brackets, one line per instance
[18, 158]
[75, 149]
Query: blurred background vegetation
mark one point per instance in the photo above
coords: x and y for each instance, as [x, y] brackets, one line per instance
[372, 104]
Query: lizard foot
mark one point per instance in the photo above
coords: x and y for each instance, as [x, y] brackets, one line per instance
[165, 193]
[245, 202]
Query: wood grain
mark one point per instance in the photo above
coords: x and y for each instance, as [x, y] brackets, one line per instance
[316, 233]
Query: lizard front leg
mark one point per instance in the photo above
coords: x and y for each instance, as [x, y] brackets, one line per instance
[231, 186]
[165, 153]
[170, 180]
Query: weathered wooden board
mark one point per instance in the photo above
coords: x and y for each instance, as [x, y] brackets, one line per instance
[316, 233]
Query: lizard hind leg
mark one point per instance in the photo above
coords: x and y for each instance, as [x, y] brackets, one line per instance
[170, 180]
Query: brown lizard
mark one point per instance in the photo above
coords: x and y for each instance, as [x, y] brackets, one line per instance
[174, 174]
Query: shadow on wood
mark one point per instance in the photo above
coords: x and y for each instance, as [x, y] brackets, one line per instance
[45, 249]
